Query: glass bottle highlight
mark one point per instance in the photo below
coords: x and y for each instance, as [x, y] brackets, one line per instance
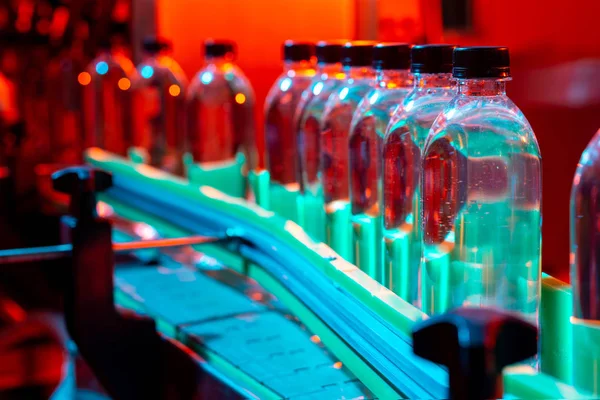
[329, 76]
[585, 272]
[482, 193]
[403, 144]
[282, 158]
[391, 61]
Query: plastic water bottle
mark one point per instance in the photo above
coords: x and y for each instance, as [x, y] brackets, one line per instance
[161, 92]
[281, 142]
[482, 191]
[220, 104]
[329, 77]
[357, 58]
[585, 268]
[108, 98]
[391, 62]
[404, 141]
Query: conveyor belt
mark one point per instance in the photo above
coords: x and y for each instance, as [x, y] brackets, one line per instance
[260, 339]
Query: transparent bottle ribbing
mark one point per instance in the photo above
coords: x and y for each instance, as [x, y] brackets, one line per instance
[108, 102]
[161, 114]
[585, 234]
[280, 141]
[367, 131]
[481, 205]
[335, 132]
[308, 114]
[403, 145]
[220, 112]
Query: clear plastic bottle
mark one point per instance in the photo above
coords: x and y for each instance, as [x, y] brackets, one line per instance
[391, 61]
[308, 116]
[404, 141]
[161, 113]
[482, 191]
[281, 142]
[220, 108]
[337, 117]
[108, 98]
[585, 267]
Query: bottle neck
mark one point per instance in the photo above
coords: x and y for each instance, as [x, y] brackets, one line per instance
[482, 87]
[394, 78]
[327, 70]
[429, 81]
[219, 60]
[359, 73]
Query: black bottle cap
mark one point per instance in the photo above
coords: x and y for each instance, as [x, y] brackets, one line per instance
[481, 62]
[219, 48]
[432, 58]
[358, 53]
[391, 56]
[329, 52]
[153, 44]
[298, 51]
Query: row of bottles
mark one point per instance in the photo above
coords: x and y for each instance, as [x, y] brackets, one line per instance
[423, 142]
[153, 113]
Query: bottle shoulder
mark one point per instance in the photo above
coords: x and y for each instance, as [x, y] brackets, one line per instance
[588, 168]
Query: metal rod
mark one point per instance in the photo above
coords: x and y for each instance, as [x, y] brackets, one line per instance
[46, 253]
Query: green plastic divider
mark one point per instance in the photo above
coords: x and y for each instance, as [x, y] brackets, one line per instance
[259, 186]
[373, 295]
[555, 320]
[138, 155]
[314, 216]
[338, 229]
[227, 176]
[367, 245]
[586, 355]
[396, 264]
[287, 202]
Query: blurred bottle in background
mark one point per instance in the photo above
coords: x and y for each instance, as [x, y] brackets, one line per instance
[391, 61]
[108, 96]
[282, 157]
[65, 106]
[220, 108]
[160, 117]
[585, 267]
[482, 193]
[308, 116]
[404, 141]
[357, 59]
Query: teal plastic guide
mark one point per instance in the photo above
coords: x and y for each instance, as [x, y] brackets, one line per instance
[314, 215]
[338, 227]
[396, 264]
[367, 245]
[227, 176]
[287, 202]
[586, 355]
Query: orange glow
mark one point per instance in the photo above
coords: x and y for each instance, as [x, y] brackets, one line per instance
[240, 98]
[315, 339]
[174, 90]
[84, 78]
[124, 83]
[257, 296]
[338, 365]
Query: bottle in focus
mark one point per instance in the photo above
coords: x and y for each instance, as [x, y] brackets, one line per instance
[585, 272]
[160, 107]
[431, 66]
[391, 61]
[282, 157]
[357, 59]
[108, 97]
[308, 115]
[481, 197]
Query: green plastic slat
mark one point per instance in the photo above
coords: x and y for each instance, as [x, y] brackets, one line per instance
[367, 245]
[228, 177]
[259, 186]
[287, 202]
[314, 216]
[339, 229]
[555, 320]
[586, 356]
[138, 155]
[396, 265]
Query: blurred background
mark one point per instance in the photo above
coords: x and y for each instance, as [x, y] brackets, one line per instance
[44, 45]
